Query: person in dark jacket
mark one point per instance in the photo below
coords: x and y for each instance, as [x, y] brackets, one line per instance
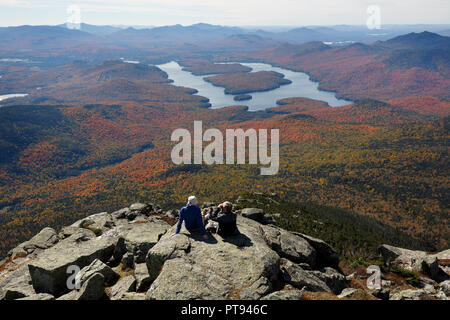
[192, 218]
[226, 220]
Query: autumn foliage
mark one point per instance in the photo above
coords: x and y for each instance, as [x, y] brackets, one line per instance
[96, 137]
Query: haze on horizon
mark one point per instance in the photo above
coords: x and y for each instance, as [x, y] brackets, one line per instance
[223, 12]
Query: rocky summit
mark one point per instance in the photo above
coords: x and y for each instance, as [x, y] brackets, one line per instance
[132, 254]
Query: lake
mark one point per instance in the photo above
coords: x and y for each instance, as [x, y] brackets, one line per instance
[301, 86]
[12, 95]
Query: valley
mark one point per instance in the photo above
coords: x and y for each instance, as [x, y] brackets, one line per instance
[361, 131]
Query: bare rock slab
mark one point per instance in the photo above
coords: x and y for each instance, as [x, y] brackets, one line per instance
[123, 286]
[110, 276]
[143, 237]
[49, 270]
[93, 288]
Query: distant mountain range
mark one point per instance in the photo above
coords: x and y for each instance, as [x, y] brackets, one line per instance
[407, 65]
[294, 34]
[205, 32]
[58, 44]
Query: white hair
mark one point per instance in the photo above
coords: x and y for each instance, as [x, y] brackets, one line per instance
[192, 201]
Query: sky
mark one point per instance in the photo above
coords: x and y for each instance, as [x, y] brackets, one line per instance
[223, 12]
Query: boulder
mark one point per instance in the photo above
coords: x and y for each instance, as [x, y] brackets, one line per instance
[258, 289]
[289, 245]
[253, 213]
[441, 296]
[188, 267]
[419, 294]
[93, 288]
[121, 214]
[445, 287]
[16, 284]
[130, 213]
[432, 264]
[137, 209]
[284, 295]
[49, 270]
[11, 294]
[46, 238]
[300, 278]
[428, 288]
[143, 237]
[242, 258]
[409, 294]
[128, 260]
[97, 223]
[169, 247]
[182, 280]
[122, 228]
[172, 214]
[391, 253]
[334, 280]
[39, 296]
[143, 280]
[347, 293]
[124, 285]
[435, 268]
[75, 231]
[110, 276]
[326, 256]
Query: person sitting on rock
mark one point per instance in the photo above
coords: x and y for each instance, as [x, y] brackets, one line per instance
[207, 213]
[192, 217]
[226, 220]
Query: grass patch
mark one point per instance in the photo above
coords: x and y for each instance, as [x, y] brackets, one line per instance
[410, 277]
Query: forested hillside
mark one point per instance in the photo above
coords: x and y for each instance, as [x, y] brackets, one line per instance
[395, 172]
